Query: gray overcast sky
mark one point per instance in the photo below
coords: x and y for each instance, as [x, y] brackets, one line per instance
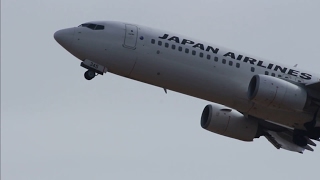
[57, 125]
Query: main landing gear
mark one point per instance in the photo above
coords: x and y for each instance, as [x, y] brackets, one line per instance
[93, 69]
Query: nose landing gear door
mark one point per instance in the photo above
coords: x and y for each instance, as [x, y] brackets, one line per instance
[130, 39]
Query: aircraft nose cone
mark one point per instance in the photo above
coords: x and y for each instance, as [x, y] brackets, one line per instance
[64, 37]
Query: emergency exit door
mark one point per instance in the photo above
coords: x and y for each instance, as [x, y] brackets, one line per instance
[130, 39]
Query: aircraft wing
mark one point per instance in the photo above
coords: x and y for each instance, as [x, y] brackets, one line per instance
[282, 137]
[284, 140]
[314, 92]
[314, 86]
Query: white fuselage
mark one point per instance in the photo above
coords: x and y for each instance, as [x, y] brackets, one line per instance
[182, 64]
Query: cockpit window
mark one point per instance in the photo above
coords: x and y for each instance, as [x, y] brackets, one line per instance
[99, 27]
[92, 26]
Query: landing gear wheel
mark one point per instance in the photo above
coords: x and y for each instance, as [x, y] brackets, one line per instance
[89, 74]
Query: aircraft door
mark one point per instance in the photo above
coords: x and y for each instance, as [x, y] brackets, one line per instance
[130, 39]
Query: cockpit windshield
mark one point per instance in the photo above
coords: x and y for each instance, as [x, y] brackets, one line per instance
[92, 26]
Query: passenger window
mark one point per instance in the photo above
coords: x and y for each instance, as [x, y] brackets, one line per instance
[230, 63]
[193, 52]
[279, 75]
[224, 61]
[180, 48]
[252, 69]
[153, 41]
[208, 56]
[173, 46]
[166, 45]
[216, 59]
[266, 73]
[201, 54]
[99, 27]
[159, 43]
[273, 74]
[187, 50]
[238, 65]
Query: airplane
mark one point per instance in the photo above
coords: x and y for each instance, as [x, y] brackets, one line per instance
[251, 97]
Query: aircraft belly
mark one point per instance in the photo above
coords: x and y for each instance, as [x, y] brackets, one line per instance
[206, 85]
[119, 60]
[182, 78]
[287, 118]
[206, 80]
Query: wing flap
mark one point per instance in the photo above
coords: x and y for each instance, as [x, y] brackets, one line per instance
[284, 140]
[273, 141]
[308, 148]
[310, 142]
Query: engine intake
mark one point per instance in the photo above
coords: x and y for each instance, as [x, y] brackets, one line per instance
[277, 93]
[228, 122]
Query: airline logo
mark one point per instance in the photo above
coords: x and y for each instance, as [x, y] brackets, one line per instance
[238, 57]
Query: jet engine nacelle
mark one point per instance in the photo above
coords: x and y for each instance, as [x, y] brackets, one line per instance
[277, 93]
[228, 122]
